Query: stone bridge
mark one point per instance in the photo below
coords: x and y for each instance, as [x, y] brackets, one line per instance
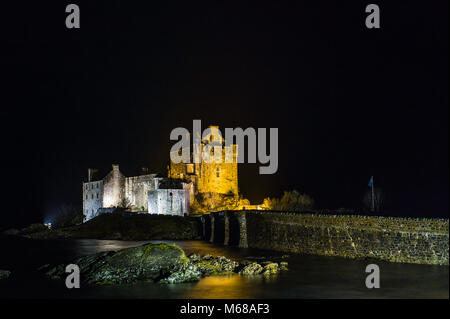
[410, 240]
[225, 227]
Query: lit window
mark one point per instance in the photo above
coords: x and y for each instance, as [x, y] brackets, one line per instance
[190, 168]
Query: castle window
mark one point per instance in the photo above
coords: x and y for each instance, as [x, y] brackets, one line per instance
[87, 187]
[86, 196]
[218, 172]
[190, 168]
[97, 195]
[97, 185]
[92, 196]
[92, 186]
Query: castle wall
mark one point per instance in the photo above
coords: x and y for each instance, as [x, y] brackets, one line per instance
[137, 187]
[168, 202]
[92, 198]
[189, 194]
[113, 188]
[109, 192]
[218, 178]
[179, 170]
[212, 177]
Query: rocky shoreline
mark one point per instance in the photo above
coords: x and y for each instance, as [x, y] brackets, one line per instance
[158, 263]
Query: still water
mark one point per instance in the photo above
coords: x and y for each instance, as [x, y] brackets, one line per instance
[308, 276]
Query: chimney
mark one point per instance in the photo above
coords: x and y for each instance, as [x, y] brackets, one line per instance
[91, 172]
[115, 167]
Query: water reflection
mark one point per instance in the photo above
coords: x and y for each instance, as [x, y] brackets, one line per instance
[308, 276]
[228, 287]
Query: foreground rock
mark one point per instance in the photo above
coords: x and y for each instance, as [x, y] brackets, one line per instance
[152, 262]
[4, 274]
[251, 269]
[160, 263]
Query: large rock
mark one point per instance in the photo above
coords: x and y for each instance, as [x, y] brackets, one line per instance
[161, 263]
[151, 262]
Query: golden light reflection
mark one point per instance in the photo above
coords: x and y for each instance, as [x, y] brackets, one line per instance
[227, 287]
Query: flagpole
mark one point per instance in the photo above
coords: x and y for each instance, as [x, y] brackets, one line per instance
[373, 198]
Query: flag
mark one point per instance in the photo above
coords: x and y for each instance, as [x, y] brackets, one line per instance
[371, 181]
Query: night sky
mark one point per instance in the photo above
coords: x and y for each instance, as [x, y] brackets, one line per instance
[349, 102]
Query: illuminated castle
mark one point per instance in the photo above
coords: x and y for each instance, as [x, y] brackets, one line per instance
[214, 177]
[215, 183]
[189, 187]
[147, 193]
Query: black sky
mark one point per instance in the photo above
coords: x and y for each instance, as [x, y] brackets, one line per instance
[349, 102]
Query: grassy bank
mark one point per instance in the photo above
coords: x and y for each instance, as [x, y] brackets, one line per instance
[126, 227]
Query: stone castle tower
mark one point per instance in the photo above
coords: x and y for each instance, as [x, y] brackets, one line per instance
[218, 178]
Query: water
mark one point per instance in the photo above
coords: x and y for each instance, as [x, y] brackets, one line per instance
[308, 276]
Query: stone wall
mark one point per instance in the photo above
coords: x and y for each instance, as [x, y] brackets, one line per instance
[92, 198]
[110, 191]
[113, 188]
[219, 178]
[423, 241]
[137, 187]
[209, 176]
[168, 202]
